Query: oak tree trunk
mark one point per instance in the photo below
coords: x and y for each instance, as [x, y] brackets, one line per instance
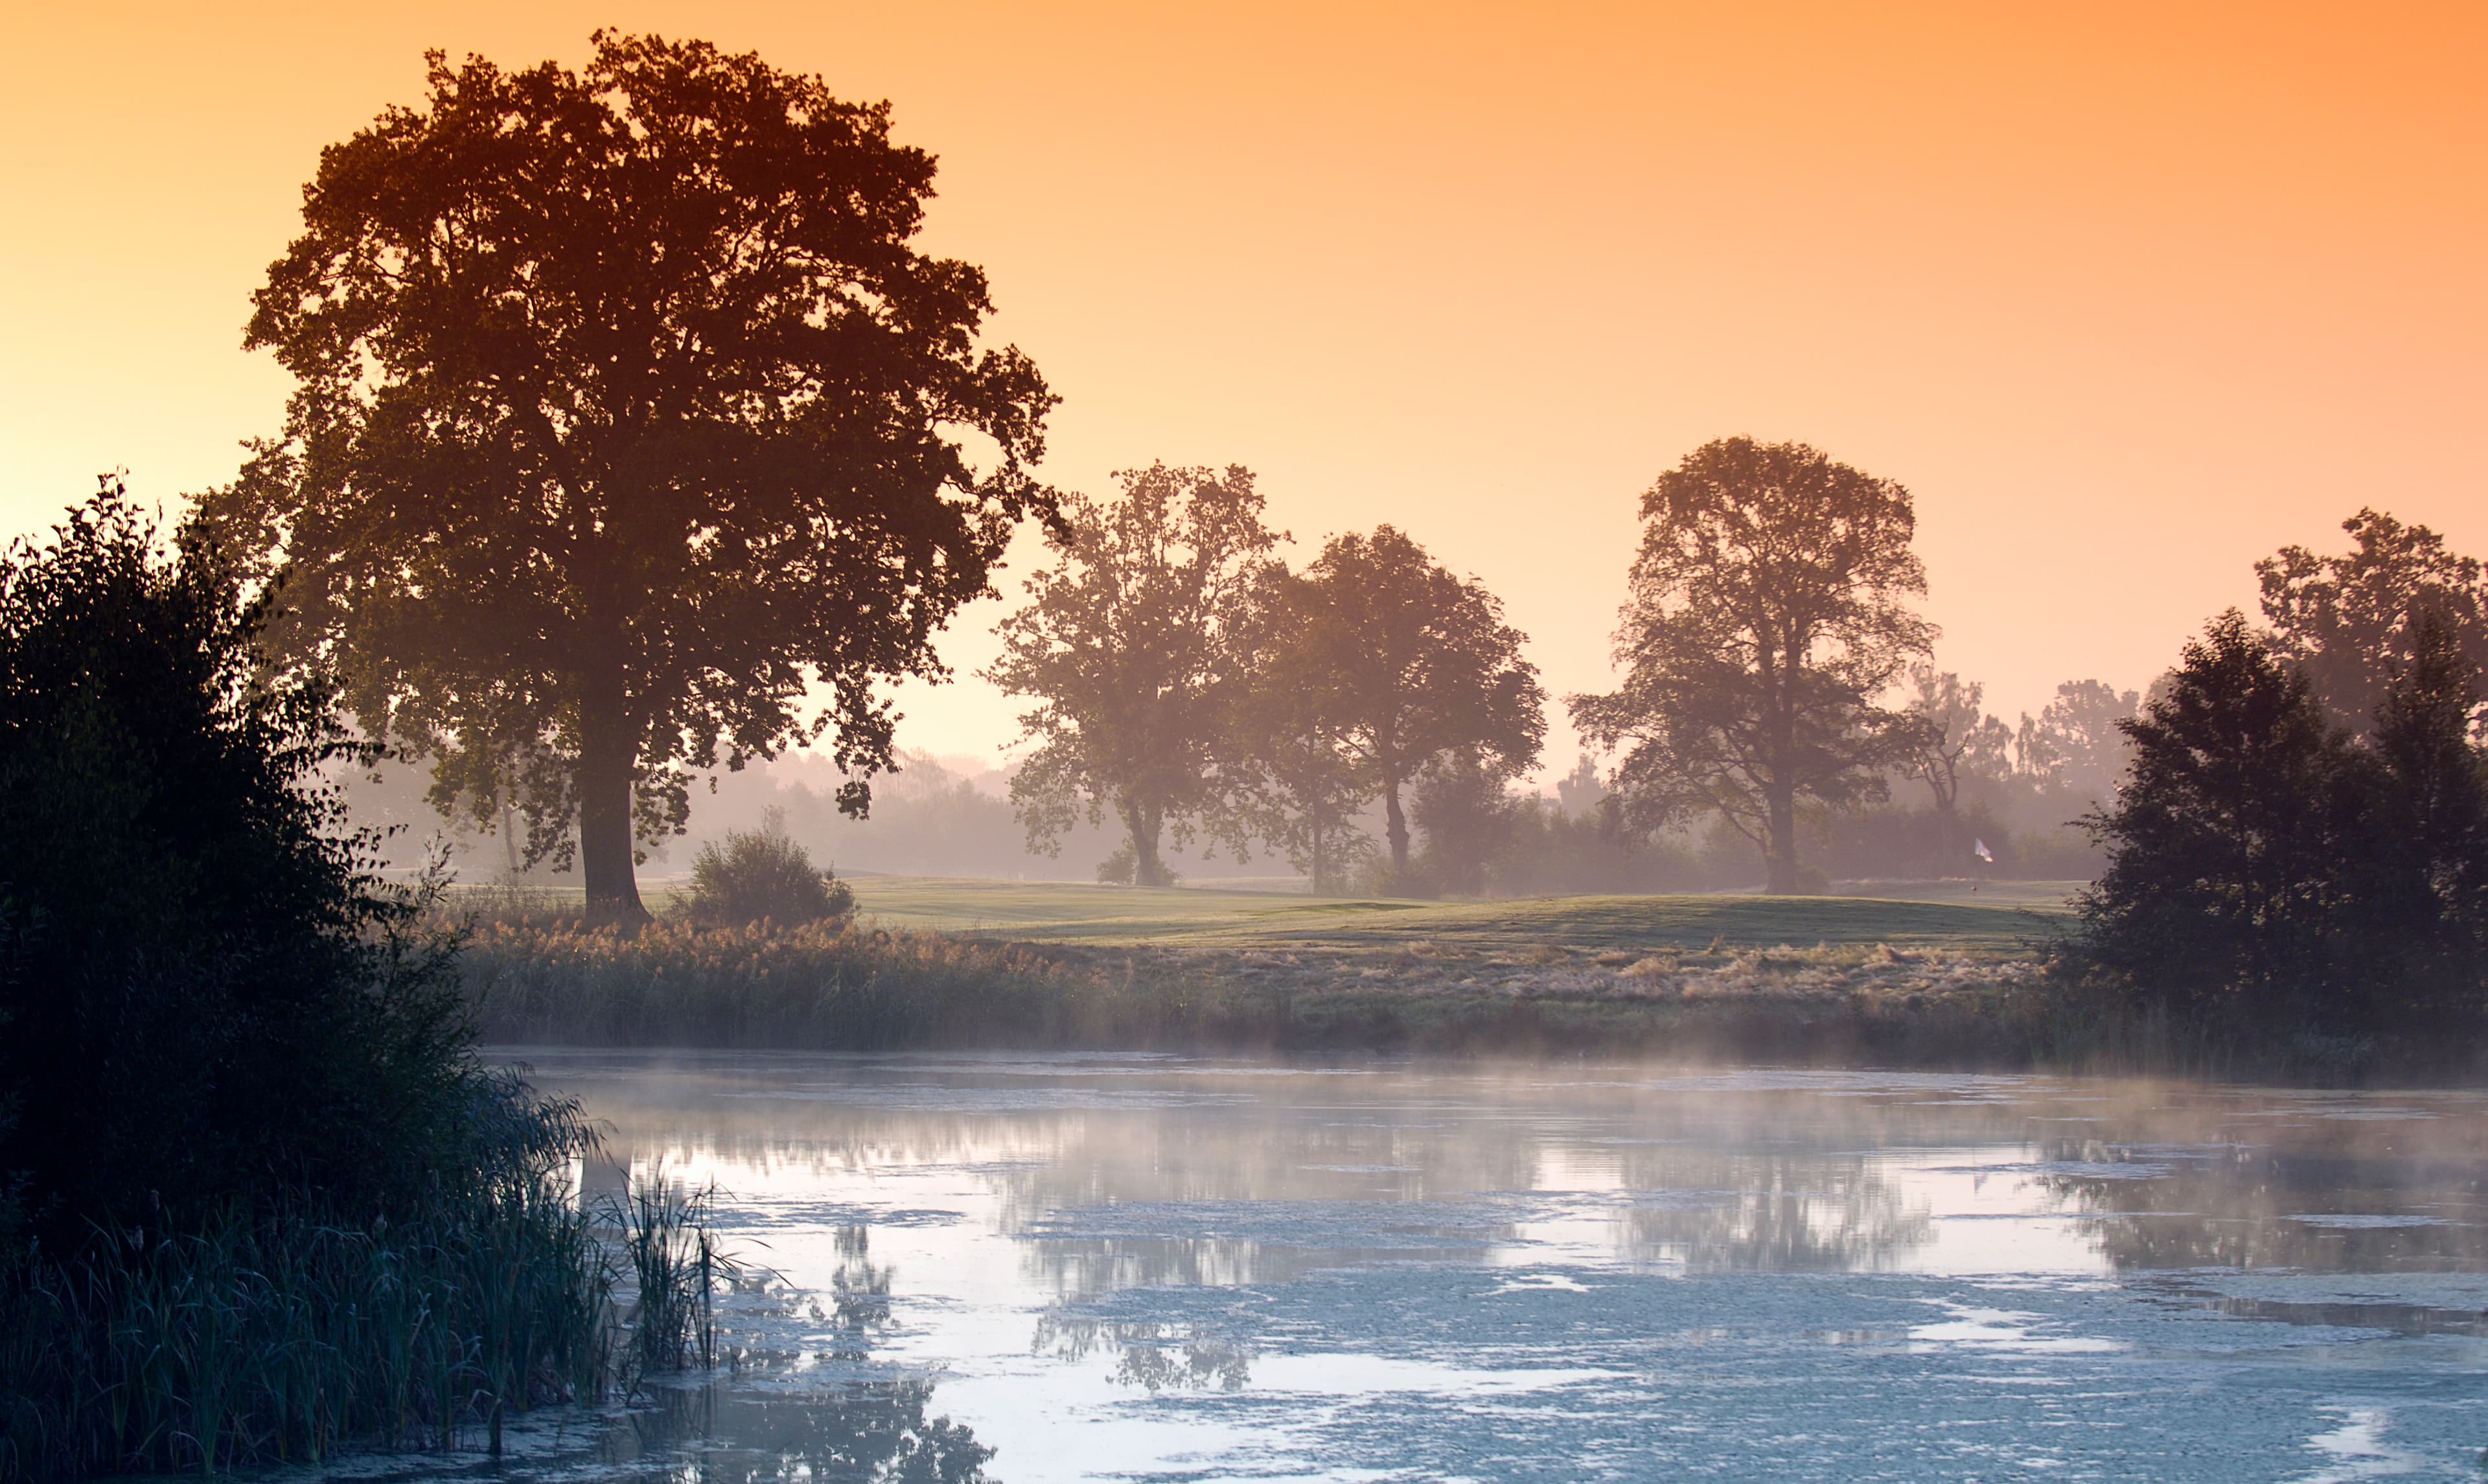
[1779, 852]
[607, 756]
[1398, 825]
[1147, 871]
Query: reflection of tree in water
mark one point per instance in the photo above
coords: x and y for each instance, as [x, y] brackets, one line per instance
[859, 1293]
[867, 1431]
[1148, 1355]
[1802, 1213]
[2246, 1208]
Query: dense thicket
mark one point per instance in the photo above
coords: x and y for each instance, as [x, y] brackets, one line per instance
[207, 993]
[259, 1192]
[2272, 873]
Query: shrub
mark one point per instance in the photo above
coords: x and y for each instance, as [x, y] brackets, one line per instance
[758, 874]
[257, 1193]
[209, 994]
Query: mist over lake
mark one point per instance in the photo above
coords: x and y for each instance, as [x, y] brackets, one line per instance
[1167, 1268]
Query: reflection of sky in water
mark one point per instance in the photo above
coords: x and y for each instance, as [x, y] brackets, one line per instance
[1151, 1269]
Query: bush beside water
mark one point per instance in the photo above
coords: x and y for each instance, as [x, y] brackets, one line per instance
[763, 876]
[258, 1199]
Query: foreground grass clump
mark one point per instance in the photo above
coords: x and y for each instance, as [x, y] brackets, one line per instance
[268, 1336]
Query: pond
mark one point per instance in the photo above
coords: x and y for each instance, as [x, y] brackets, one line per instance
[1027, 1269]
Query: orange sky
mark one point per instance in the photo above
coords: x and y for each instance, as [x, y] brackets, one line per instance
[2128, 295]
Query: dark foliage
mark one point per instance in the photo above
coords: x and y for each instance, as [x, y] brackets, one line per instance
[261, 1198]
[2270, 875]
[207, 995]
[761, 874]
[2421, 879]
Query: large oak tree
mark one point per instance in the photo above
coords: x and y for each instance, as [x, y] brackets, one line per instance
[1769, 611]
[628, 416]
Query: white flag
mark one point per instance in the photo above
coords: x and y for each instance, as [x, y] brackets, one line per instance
[1983, 853]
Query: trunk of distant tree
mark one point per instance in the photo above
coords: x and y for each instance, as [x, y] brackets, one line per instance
[1143, 822]
[607, 756]
[1398, 826]
[1779, 850]
[510, 838]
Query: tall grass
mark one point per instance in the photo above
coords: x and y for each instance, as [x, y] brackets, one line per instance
[280, 1338]
[283, 1339]
[676, 1267]
[822, 985]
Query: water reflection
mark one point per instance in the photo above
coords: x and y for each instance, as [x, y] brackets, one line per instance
[1115, 1173]
[1151, 1356]
[874, 1431]
[1156, 1268]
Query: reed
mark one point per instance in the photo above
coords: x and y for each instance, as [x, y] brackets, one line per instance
[279, 1338]
[677, 1268]
[823, 984]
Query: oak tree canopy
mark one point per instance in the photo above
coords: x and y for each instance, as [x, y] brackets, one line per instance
[627, 416]
[1769, 610]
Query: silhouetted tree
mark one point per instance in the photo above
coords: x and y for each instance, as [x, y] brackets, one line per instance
[1125, 644]
[1289, 717]
[1417, 662]
[1768, 611]
[2228, 843]
[2350, 621]
[2075, 748]
[1951, 735]
[627, 413]
[2420, 886]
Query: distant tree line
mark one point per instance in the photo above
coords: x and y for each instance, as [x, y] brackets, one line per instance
[635, 438]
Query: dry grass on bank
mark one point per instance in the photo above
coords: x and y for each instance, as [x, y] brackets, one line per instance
[865, 988]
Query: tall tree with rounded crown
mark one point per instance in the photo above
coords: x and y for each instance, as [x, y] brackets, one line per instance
[1418, 663]
[1769, 610]
[1128, 645]
[630, 420]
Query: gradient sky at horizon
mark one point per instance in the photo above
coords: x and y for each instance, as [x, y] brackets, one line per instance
[2128, 295]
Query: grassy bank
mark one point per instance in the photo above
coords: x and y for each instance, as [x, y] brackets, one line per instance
[1820, 980]
[1893, 982]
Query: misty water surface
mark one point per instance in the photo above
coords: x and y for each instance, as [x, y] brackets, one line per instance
[1134, 1268]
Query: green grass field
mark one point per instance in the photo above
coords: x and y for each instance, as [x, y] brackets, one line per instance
[2004, 918]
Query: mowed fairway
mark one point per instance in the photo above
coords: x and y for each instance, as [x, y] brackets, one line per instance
[2026, 914]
